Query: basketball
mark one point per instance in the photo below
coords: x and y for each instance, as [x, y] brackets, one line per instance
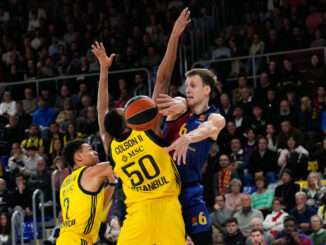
[141, 113]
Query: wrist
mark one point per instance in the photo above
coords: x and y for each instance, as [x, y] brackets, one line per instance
[113, 181]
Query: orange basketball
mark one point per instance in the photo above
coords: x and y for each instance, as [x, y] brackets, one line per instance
[141, 113]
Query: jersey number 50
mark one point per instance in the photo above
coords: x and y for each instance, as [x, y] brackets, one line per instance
[144, 172]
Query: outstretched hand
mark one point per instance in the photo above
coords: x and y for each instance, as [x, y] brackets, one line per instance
[180, 147]
[99, 51]
[182, 21]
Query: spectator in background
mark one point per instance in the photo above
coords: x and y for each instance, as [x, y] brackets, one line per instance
[236, 93]
[319, 100]
[233, 234]
[286, 190]
[225, 139]
[258, 121]
[263, 197]
[290, 75]
[8, 106]
[77, 97]
[233, 199]
[257, 224]
[90, 125]
[71, 133]
[56, 152]
[257, 47]
[237, 157]
[309, 121]
[5, 229]
[226, 108]
[224, 176]
[34, 140]
[44, 115]
[241, 119]
[151, 59]
[220, 215]
[271, 137]
[257, 237]
[16, 162]
[14, 130]
[315, 190]
[57, 164]
[24, 119]
[54, 134]
[67, 105]
[31, 161]
[292, 234]
[318, 234]
[318, 40]
[246, 215]
[141, 85]
[294, 157]
[41, 179]
[274, 221]
[303, 212]
[174, 91]
[86, 101]
[29, 103]
[21, 196]
[286, 113]
[64, 93]
[3, 196]
[221, 51]
[288, 131]
[262, 162]
[320, 156]
[70, 118]
[124, 98]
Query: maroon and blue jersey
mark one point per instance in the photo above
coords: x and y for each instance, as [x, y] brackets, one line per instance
[197, 152]
[194, 212]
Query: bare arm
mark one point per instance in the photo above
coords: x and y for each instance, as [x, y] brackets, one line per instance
[103, 94]
[166, 67]
[94, 177]
[209, 129]
[108, 192]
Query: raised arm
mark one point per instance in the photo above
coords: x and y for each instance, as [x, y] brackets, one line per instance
[209, 129]
[166, 67]
[103, 93]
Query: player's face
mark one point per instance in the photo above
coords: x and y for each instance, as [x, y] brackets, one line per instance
[256, 238]
[196, 91]
[89, 155]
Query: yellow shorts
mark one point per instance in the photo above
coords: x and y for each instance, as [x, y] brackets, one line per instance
[158, 221]
[72, 239]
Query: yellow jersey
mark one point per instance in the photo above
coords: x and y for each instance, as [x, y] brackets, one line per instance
[81, 210]
[147, 171]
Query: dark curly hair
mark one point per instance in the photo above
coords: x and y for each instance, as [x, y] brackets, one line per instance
[114, 123]
[69, 151]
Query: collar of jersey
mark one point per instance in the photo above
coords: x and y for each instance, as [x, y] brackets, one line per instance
[194, 116]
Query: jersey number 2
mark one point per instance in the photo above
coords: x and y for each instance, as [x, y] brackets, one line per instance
[64, 204]
[144, 170]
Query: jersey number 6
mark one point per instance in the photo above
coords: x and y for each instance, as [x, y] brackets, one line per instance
[144, 170]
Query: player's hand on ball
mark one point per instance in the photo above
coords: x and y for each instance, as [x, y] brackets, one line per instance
[169, 106]
[99, 51]
[180, 147]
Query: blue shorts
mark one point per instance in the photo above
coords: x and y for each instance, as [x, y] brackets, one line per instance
[194, 210]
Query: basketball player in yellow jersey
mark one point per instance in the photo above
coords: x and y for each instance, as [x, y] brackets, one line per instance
[82, 195]
[149, 177]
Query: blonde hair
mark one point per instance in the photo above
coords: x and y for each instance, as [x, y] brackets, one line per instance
[320, 182]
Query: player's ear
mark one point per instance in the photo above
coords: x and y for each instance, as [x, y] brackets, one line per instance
[207, 89]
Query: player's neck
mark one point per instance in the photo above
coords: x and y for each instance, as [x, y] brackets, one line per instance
[200, 108]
